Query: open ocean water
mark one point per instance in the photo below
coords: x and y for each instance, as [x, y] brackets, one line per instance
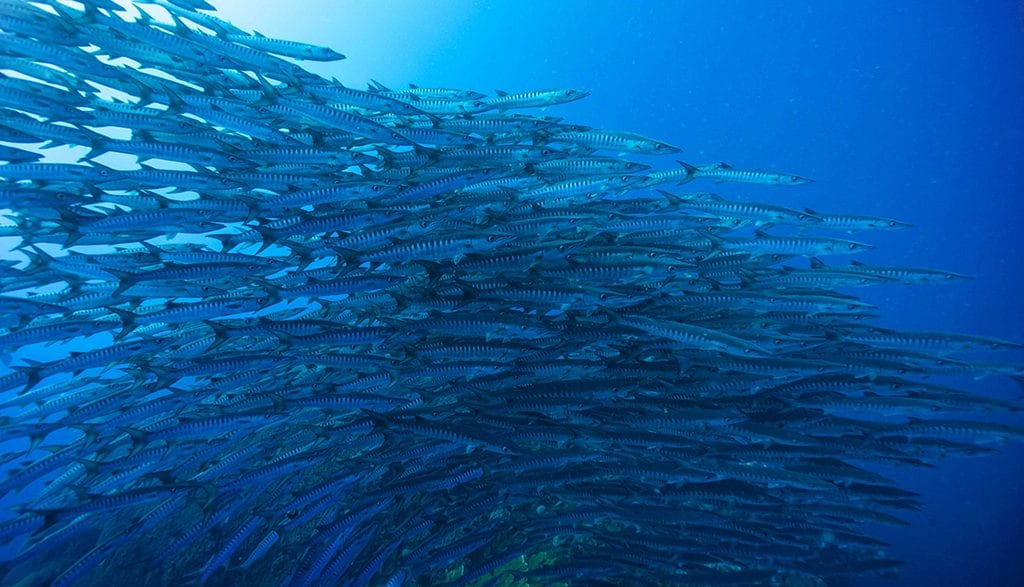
[896, 110]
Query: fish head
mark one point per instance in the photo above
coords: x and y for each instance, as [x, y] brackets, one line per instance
[793, 180]
[806, 216]
[854, 246]
[659, 148]
[497, 239]
[633, 166]
[890, 223]
[475, 107]
[570, 95]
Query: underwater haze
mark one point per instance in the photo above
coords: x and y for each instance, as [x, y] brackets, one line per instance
[493, 327]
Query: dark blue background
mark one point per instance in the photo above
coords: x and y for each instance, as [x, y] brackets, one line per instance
[906, 110]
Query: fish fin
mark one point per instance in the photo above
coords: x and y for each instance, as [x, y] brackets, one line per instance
[140, 438]
[690, 169]
[378, 418]
[220, 334]
[125, 280]
[69, 222]
[856, 263]
[817, 263]
[174, 101]
[673, 199]
[127, 321]
[270, 93]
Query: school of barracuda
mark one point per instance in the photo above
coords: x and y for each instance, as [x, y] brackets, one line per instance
[319, 335]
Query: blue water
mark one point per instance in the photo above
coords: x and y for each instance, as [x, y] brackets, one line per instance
[896, 109]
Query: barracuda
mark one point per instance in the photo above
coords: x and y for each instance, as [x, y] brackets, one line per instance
[276, 330]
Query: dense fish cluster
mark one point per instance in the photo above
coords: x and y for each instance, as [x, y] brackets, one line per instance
[260, 328]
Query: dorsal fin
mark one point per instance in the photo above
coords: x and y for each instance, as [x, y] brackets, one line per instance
[856, 263]
[501, 93]
[817, 263]
[689, 168]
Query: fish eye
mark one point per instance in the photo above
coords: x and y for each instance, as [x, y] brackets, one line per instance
[671, 268]
[852, 246]
[424, 224]
[395, 135]
[658, 147]
[492, 238]
[604, 296]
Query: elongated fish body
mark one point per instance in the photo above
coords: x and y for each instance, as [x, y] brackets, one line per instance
[537, 99]
[725, 172]
[854, 222]
[352, 97]
[614, 141]
[287, 48]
